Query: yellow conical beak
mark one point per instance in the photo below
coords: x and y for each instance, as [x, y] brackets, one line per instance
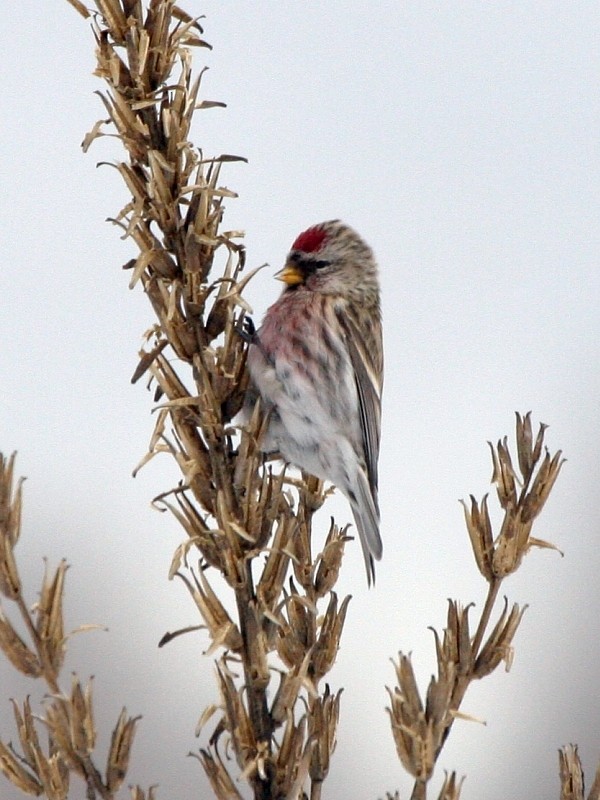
[291, 275]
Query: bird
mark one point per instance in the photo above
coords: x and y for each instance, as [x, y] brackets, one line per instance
[317, 364]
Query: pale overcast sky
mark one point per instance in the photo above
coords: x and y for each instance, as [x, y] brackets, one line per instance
[461, 139]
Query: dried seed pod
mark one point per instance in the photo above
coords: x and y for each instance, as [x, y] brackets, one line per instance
[121, 742]
[15, 649]
[479, 528]
[451, 787]
[49, 618]
[327, 645]
[10, 528]
[330, 560]
[455, 647]
[14, 770]
[503, 474]
[221, 628]
[411, 734]
[498, 646]
[223, 785]
[323, 722]
[571, 773]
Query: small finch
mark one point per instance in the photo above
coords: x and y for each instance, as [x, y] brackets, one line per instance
[317, 364]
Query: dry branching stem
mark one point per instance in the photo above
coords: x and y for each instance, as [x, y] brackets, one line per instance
[421, 728]
[67, 717]
[242, 519]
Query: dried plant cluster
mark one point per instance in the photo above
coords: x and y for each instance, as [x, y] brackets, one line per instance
[275, 723]
[251, 525]
[61, 740]
[464, 652]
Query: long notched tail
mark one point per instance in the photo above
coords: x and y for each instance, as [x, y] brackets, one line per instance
[366, 515]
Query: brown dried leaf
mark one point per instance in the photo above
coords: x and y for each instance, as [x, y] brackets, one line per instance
[80, 8]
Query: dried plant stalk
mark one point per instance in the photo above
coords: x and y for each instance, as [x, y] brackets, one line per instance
[421, 726]
[241, 518]
[66, 720]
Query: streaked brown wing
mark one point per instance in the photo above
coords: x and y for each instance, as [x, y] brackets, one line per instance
[364, 344]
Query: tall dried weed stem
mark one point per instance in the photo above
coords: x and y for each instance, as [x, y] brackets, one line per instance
[38, 651]
[249, 523]
[467, 652]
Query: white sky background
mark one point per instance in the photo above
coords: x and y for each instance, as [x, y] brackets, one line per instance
[461, 139]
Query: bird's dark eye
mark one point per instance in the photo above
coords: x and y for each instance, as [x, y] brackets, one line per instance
[307, 264]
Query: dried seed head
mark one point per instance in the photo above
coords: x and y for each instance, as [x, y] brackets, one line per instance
[120, 747]
[290, 685]
[323, 721]
[10, 583]
[542, 485]
[411, 732]
[479, 528]
[33, 755]
[221, 782]
[270, 587]
[330, 560]
[512, 544]
[221, 628]
[571, 773]
[498, 646]
[14, 770]
[236, 721]
[455, 647]
[15, 649]
[451, 787]
[49, 618]
[328, 642]
[293, 758]
[10, 527]
[503, 474]
[296, 632]
[502, 557]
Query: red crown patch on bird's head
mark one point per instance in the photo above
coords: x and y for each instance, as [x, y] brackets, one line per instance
[311, 240]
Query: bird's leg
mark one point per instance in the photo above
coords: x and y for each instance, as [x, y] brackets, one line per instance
[246, 330]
